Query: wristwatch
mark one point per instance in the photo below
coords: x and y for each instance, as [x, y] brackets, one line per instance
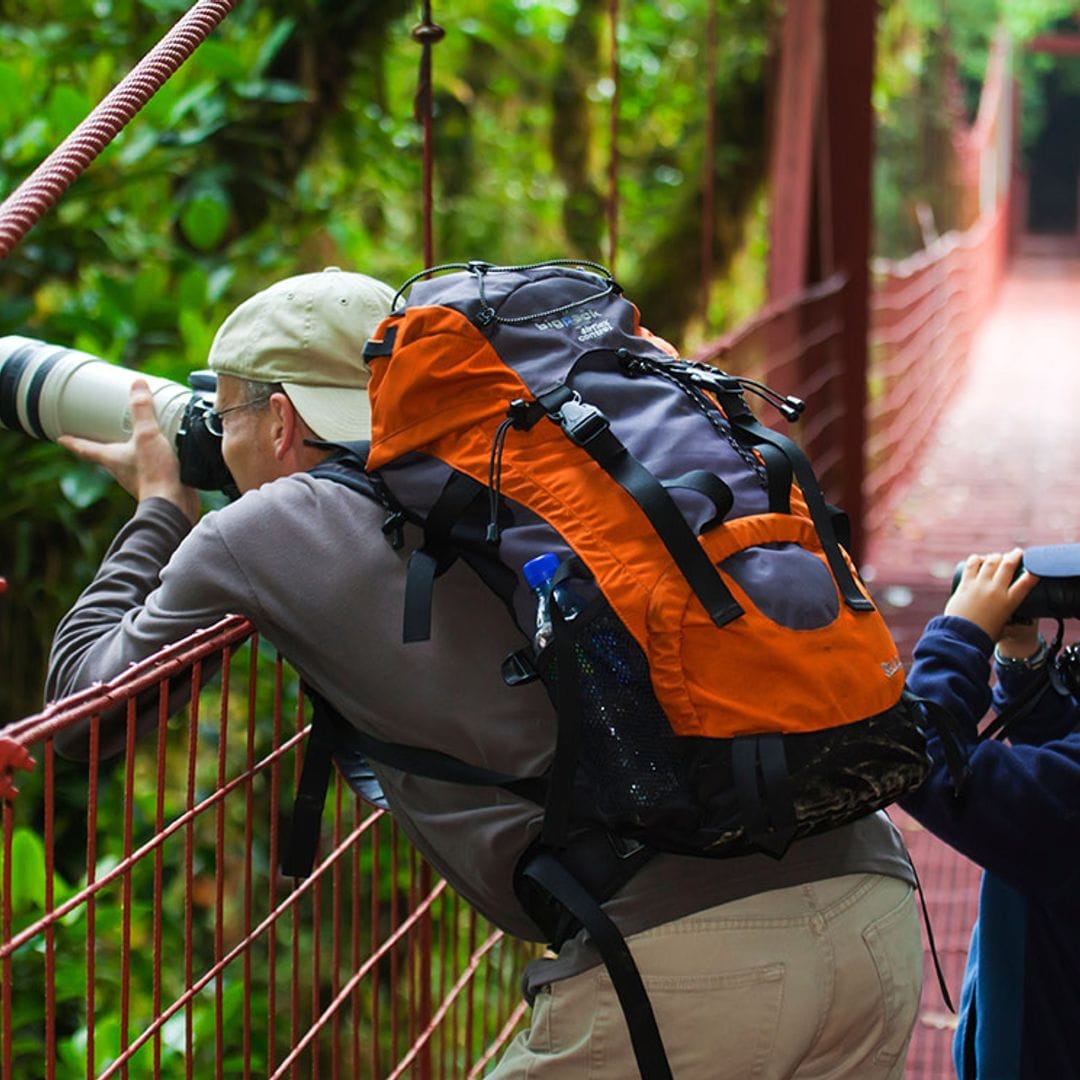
[1023, 663]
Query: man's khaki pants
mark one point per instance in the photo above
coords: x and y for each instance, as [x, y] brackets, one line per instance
[817, 981]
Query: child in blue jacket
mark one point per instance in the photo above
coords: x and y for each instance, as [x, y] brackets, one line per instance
[1018, 816]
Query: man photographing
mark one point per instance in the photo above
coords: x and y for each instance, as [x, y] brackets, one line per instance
[813, 960]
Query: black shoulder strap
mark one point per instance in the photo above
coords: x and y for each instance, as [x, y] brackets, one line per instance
[555, 880]
[332, 735]
[457, 496]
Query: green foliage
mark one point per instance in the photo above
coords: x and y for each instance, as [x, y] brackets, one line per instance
[925, 48]
[288, 142]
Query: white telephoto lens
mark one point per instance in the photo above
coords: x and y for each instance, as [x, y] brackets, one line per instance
[47, 391]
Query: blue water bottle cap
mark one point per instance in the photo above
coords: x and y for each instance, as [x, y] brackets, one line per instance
[541, 570]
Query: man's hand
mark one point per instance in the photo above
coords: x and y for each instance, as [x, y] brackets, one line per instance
[145, 466]
[988, 595]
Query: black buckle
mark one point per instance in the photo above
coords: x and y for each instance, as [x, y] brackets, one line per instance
[393, 528]
[582, 422]
[518, 669]
[524, 414]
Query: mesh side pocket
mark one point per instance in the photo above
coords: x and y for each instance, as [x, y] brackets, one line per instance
[629, 765]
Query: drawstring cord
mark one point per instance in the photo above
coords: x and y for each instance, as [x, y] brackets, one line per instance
[495, 479]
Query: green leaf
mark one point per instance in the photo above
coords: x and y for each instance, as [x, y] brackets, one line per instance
[220, 59]
[66, 108]
[85, 484]
[270, 46]
[278, 91]
[27, 871]
[13, 94]
[28, 143]
[205, 218]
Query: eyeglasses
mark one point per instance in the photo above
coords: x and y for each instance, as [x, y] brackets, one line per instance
[212, 418]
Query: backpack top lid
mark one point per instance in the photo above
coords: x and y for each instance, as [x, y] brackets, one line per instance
[446, 368]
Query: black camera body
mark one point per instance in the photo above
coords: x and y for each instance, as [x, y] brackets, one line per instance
[1057, 593]
[199, 450]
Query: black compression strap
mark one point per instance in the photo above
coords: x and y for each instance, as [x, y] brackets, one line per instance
[712, 487]
[455, 498]
[298, 856]
[648, 1046]
[763, 789]
[743, 423]
[778, 474]
[589, 428]
[419, 589]
[430, 764]
[744, 774]
[779, 801]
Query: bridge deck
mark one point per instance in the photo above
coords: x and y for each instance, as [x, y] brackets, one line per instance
[1003, 470]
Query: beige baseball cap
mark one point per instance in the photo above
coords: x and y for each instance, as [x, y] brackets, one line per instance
[308, 333]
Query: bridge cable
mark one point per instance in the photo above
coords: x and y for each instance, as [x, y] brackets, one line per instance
[613, 159]
[708, 183]
[21, 210]
[428, 34]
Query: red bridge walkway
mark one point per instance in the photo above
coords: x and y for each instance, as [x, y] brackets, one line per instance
[1003, 469]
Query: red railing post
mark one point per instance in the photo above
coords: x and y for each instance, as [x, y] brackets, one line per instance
[849, 120]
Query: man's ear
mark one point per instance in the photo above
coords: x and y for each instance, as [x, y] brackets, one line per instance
[286, 426]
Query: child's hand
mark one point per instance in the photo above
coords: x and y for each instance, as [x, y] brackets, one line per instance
[987, 594]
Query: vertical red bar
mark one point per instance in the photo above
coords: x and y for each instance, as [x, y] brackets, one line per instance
[219, 867]
[5, 931]
[335, 943]
[357, 884]
[445, 960]
[376, 913]
[249, 835]
[189, 871]
[159, 861]
[272, 932]
[425, 1010]
[294, 915]
[394, 920]
[849, 68]
[708, 177]
[455, 950]
[316, 965]
[91, 877]
[125, 889]
[411, 952]
[470, 996]
[49, 796]
[159, 855]
[792, 142]
[613, 152]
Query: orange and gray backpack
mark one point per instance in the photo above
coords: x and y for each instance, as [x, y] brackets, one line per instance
[722, 680]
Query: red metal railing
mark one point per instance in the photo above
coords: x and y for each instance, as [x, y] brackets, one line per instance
[793, 345]
[926, 311]
[145, 930]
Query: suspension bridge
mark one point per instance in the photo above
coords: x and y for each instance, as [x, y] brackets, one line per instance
[942, 390]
